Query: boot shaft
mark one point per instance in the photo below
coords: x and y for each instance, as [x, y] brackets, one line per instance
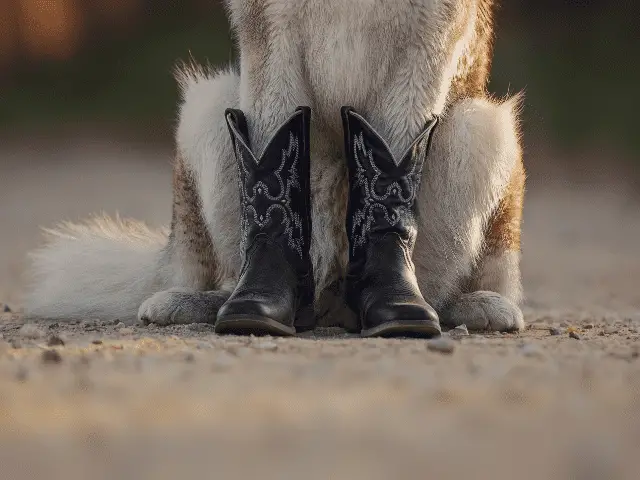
[275, 187]
[382, 189]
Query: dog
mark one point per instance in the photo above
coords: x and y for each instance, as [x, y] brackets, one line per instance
[400, 63]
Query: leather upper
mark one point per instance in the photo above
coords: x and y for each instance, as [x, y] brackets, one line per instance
[386, 289]
[268, 286]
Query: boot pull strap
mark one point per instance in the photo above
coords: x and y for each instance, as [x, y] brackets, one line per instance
[237, 125]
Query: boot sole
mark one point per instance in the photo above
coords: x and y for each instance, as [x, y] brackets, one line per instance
[252, 325]
[404, 328]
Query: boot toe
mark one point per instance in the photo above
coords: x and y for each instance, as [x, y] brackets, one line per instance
[245, 307]
[244, 316]
[401, 318]
[399, 311]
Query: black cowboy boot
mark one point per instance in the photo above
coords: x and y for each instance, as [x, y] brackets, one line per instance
[381, 286]
[275, 291]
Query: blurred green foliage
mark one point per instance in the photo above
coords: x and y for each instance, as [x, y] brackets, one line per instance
[576, 61]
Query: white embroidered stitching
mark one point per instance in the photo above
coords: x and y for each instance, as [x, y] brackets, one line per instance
[282, 202]
[363, 218]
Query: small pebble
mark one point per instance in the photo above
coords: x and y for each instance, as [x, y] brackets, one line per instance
[97, 342]
[53, 325]
[125, 331]
[120, 325]
[31, 332]
[575, 335]
[51, 357]
[611, 330]
[532, 350]
[555, 331]
[55, 341]
[441, 345]
[6, 309]
[460, 331]
[267, 346]
[589, 326]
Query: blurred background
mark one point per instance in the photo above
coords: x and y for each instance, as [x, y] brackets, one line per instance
[88, 106]
[89, 61]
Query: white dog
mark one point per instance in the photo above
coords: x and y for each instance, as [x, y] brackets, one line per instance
[399, 62]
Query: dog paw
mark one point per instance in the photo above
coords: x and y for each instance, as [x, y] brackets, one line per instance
[484, 310]
[181, 306]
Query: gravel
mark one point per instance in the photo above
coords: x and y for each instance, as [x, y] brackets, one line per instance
[555, 331]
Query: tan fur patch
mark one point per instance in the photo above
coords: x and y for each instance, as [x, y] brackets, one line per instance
[189, 239]
[504, 228]
[473, 71]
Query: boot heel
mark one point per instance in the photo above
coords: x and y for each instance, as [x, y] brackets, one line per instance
[305, 319]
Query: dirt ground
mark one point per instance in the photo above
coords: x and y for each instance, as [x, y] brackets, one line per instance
[101, 400]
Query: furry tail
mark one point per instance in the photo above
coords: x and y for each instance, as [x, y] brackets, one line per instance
[103, 268]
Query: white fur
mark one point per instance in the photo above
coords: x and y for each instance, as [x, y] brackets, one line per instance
[392, 61]
[181, 306]
[394, 65]
[501, 273]
[483, 310]
[203, 142]
[103, 268]
[472, 157]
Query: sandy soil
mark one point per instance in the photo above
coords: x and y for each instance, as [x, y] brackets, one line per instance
[99, 400]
